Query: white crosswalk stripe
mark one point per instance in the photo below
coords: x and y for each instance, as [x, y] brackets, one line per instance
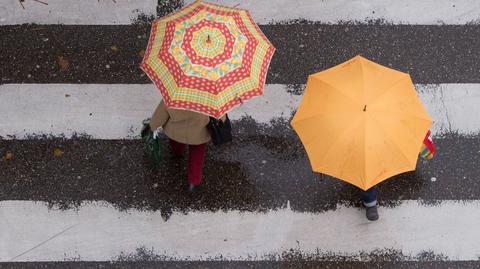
[108, 12]
[99, 232]
[341, 11]
[102, 12]
[116, 111]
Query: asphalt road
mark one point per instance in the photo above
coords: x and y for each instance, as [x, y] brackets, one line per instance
[430, 53]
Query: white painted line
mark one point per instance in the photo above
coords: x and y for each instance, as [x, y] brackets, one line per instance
[115, 111]
[453, 107]
[431, 12]
[98, 232]
[263, 11]
[101, 12]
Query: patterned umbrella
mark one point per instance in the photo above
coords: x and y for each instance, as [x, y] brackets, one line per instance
[207, 58]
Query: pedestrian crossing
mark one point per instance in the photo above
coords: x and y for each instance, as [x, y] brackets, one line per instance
[99, 232]
[100, 12]
[118, 12]
[374, 11]
[115, 111]
[99, 203]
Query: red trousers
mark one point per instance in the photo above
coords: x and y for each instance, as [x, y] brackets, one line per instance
[195, 159]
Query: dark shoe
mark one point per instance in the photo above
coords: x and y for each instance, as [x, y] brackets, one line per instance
[193, 188]
[372, 213]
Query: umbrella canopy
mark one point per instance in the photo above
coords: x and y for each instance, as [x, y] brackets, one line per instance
[207, 58]
[361, 122]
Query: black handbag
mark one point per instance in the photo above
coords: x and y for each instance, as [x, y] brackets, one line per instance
[220, 131]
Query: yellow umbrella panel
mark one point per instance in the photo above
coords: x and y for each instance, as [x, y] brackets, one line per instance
[361, 122]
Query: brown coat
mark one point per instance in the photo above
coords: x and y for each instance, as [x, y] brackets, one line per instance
[183, 126]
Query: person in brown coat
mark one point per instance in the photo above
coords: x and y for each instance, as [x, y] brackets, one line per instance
[183, 128]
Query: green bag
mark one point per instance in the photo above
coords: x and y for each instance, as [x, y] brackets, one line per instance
[151, 144]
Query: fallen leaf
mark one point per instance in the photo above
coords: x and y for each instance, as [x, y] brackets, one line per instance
[62, 63]
[141, 53]
[57, 152]
[114, 48]
[8, 156]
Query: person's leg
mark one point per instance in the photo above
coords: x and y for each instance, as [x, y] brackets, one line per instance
[369, 198]
[177, 148]
[195, 163]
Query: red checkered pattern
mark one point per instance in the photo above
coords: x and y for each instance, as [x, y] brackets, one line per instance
[211, 62]
[203, 84]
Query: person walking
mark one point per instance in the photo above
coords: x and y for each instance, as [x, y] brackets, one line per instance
[369, 197]
[208, 71]
[185, 128]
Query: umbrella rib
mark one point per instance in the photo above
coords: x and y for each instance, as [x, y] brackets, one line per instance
[337, 89]
[387, 89]
[326, 112]
[362, 78]
[317, 134]
[339, 136]
[319, 114]
[395, 145]
[406, 115]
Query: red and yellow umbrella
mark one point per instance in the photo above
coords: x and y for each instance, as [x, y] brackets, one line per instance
[207, 58]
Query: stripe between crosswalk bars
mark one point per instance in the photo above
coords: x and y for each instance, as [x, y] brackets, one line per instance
[264, 11]
[115, 111]
[338, 11]
[101, 233]
[94, 12]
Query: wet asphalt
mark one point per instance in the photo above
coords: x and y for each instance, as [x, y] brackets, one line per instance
[262, 169]
[111, 54]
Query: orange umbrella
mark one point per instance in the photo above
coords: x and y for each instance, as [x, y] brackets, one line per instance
[361, 122]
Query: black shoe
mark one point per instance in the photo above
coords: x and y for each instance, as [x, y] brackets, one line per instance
[372, 213]
[193, 188]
